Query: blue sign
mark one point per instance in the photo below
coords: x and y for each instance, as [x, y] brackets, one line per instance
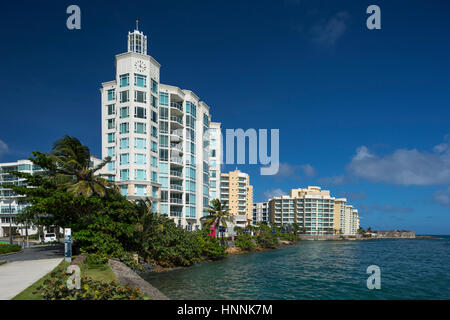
[68, 244]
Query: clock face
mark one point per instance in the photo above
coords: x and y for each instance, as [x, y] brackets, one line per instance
[140, 66]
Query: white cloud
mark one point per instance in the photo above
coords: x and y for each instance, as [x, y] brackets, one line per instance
[443, 197]
[335, 180]
[328, 32]
[274, 193]
[287, 170]
[308, 170]
[3, 148]
[403, 166]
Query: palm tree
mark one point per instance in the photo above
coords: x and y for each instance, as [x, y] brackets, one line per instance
[218, 215]
[73, 170]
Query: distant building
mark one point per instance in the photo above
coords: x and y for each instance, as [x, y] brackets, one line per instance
[237, 193]
[10, 205]
[261, 213]
[315, 211]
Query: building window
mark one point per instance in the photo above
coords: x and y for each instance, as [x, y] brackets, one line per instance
[124, 143]
[164, 127]
[154, 117]
[164, 154]
[140, 143]
[163, 114]
[154, 86]
[111, 151]
[163, 141]
[124, 112]
[140, 190]
[140, 80]
[111, 94]
[154, 132]
[140, 127]
[140, 174]
[111, 109]
[111, 166]
[154, 177]
[124, 96]
[140, 96]
[140, 112]
[124, 128]
[124, 174]
[124, 80]
[213, 153]
[154, 162]
[191, 108]
[124, 159]
[139, 158]
[111, 137]
[111, 123]
[124, 190]
[164, 98]
[154, 102]
[154, 146]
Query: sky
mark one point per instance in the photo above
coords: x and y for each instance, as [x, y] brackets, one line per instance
[363, 113]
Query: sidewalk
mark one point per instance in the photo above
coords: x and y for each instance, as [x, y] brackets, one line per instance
[18, 275]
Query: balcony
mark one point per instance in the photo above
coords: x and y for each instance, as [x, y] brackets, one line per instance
[175, 173]
[176, 187]
[176, 201]
[176, 121]
[176, 161]
[177, 146]
[176, 107]
[176, 136]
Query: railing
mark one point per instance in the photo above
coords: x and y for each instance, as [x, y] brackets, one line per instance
[176, 146]
[176, 119]
[175, 173]
[176, 187]
[176, 200]
[176, 105]
[176, 160]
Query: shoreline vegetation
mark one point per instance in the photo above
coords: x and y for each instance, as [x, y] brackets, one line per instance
[70, 193]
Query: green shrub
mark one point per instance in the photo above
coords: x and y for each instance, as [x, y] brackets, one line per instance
[55, 288]
[7, 248]
[288, 237]
[266, 239]
[244, 242]
[210, 246]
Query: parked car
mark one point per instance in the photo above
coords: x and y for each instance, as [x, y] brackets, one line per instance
[49, 237]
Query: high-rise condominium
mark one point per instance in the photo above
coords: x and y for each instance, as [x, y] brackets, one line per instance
[157, 136]
[261, 212]
[315, 211]
[237, 193]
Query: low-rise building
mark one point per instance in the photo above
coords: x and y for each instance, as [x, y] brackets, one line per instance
[261, 213]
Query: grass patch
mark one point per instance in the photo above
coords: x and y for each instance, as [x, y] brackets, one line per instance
[6, 248]
[2, 262]
[96, 272]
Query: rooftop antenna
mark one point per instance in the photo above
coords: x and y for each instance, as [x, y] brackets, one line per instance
[137, 25]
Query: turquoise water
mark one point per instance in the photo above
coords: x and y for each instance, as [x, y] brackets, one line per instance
[410, 269]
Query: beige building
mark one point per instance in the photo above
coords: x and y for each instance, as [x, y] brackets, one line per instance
[315, 211]
[236, 191]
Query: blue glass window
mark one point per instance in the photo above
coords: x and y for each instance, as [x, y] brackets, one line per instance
[124, 174]
[124, 143]
[154, 86]
[111, 94]
[140, 80]
[164, 98]
[111, 137]
[140, 143]
[124, 80]
[140, 158]
[140, 174]
[140, 190]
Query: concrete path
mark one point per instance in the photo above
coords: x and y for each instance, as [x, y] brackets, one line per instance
[18, 275]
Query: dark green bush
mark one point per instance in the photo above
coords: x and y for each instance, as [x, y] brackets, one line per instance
[209, 246]
[266, 239]
[7, 248]
[244, 242]
[96, 259]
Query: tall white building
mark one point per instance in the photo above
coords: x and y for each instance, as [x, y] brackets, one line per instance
[157, 136]
[215, 160]
[9, 201]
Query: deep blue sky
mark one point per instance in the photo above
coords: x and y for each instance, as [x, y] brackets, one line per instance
[310, 68]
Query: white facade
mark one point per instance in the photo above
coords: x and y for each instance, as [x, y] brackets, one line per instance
[261, 213]
[156, 135]
[9, 201]
[215, 159]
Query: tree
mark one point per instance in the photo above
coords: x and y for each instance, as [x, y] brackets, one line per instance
[218, 215]
[72, 169]
[296, 228]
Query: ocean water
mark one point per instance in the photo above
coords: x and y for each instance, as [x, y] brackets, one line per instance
[410, 269]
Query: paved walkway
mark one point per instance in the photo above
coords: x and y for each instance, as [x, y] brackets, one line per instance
[25, 268]
[18, 275]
